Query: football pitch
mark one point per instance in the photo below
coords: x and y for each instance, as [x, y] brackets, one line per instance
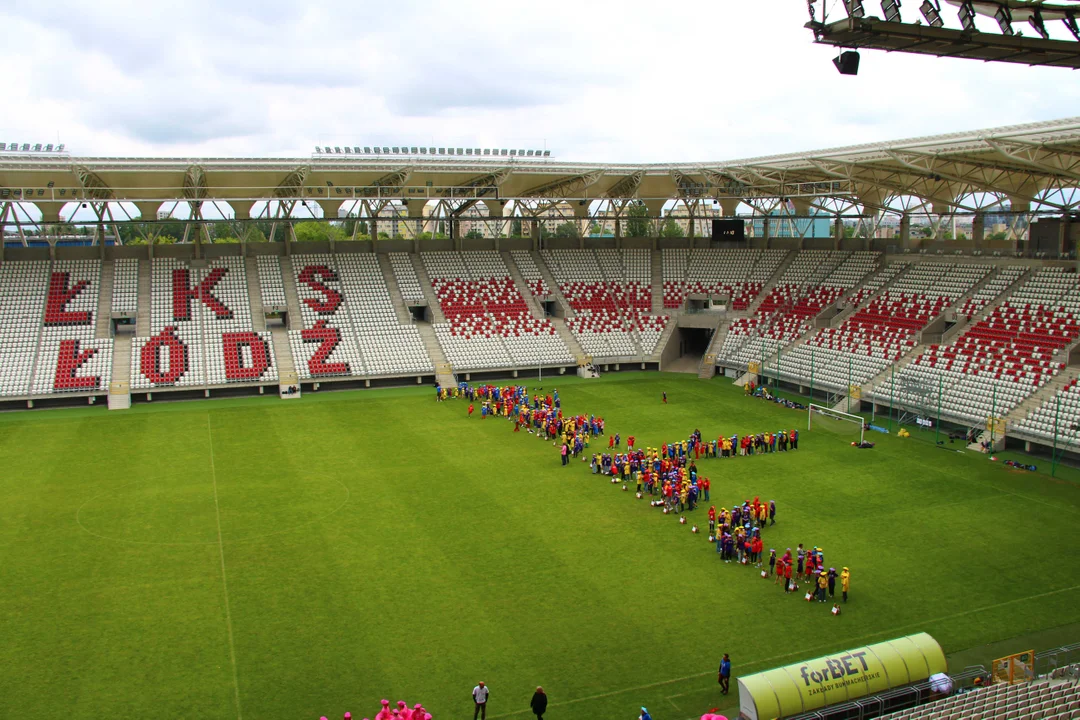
[255, 558]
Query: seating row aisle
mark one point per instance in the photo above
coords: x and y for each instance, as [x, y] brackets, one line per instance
[1037, 700]
[737, 274]
[885, 330]
[125, 293]
[610, 292]
[529, 270]
[406, 278]
[201, 331]
[1000, 360]
[488, 323]
[1060, 414]
[813, 281]
[271, 284]
[349, 325]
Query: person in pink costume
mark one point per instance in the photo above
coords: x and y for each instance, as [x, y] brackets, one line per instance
[403, 710]
[385, 713]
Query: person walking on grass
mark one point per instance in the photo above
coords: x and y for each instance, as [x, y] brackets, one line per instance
[725, 674]
[480, 696]
[845, 582]
[539, 703]
[664, 394]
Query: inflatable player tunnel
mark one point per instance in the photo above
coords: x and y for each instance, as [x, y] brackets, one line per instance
[839, 677]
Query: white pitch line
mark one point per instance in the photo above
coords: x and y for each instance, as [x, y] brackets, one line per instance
[224, 581]
[798, 652]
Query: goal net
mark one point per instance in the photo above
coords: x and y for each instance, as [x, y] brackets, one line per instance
[835, 415]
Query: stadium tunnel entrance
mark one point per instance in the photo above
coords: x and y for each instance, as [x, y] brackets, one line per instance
[694, 341]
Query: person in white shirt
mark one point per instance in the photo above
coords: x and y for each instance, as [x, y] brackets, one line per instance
[480, 696]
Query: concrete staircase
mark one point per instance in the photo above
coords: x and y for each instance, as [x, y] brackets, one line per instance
[662, 342]
[429, 293]
[258, 312]
[657, 283]
[523, 286]
[400, 310]
[120, 384]
[707, 367]
[103, 321]
[443, 372]
[545, 273]
[292, 298]
[142, 315]
[283, 356]
[771, 282]
[1037, 398]
[568, 337]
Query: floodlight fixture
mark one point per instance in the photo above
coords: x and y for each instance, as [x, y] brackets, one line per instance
[891, 8]
[1036, 22]
[413, 151]
[397, 151]
[547, 153]
[356, 149]
[460, 151]
[386, 150]
[48, 148]
[513, 153]
[37, 147]
[442, 151]
[468, 151]
[49, 184]
[967, 16]
[1004, 19]
[26, 147]
[1070, 22]
[855, 8]
[932, 12]
[3, 146]
[318, 149]
[60, 148]
[348, 149]
[520, 153]
[367, 150]
[529, 153]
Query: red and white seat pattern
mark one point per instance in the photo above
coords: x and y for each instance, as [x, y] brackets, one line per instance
[529, 270]
[350, 327]
[674, 260]
[387, 346]
[201, 332]
[814, 280]
[1005, 277]
[1059, 415]
[738, 274]
[488, 323]
[1003, 358]
[1042, 699]
[883, 331]
[405, 275]
[610, 292]
[47, 313]
[125, 293]
[271, 285]
[69, 359]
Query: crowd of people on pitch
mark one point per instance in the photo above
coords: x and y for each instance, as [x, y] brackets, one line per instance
[752, 389]
[401, 712]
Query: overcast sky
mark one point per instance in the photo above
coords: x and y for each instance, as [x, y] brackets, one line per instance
[595, 81]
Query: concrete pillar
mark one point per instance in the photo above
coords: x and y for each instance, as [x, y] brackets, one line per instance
[838, 232]
[728, 206]
[241, 209]
[534, 231]
[147, 210]
[495, 210]
[581, 219]
[655, 208]
[905, 231]
[978, 230]
[802, 208]
[766, 230]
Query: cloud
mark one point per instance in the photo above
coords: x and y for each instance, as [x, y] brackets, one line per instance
[632, 81]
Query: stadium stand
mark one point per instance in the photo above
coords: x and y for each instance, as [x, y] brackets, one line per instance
[884, 330]
[69, 359]
[201, 331]
[349, 325]
[610, 293]
[737, 274]
[529, 270]
[405, 274]
[1060, 413]
[488, 323]
[814, 280]
[125, 294]
[1039, 700]
[674, 260]
[1004, 357]
[271, 286]
[23, 286]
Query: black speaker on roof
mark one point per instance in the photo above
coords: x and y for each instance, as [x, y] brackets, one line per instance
[847, 63]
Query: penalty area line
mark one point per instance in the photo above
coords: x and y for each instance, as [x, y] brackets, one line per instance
[774, 658]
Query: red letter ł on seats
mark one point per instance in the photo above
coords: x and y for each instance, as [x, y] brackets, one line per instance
[59, 296]
[150, 359]
[67, 362]
[234, 359]
[330, 337]
[183, 294]
[310, 276]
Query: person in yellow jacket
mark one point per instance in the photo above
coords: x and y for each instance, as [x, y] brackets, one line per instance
[822, 585]
[845, 582]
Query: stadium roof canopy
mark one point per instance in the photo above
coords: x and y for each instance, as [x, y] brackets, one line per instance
[1034, 166]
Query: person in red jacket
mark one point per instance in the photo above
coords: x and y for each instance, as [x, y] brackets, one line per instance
[470, 409]
[787, 577]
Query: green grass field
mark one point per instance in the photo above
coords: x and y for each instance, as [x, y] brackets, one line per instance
[264, 559]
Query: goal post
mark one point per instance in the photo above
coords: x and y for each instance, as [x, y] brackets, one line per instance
[836, 415]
